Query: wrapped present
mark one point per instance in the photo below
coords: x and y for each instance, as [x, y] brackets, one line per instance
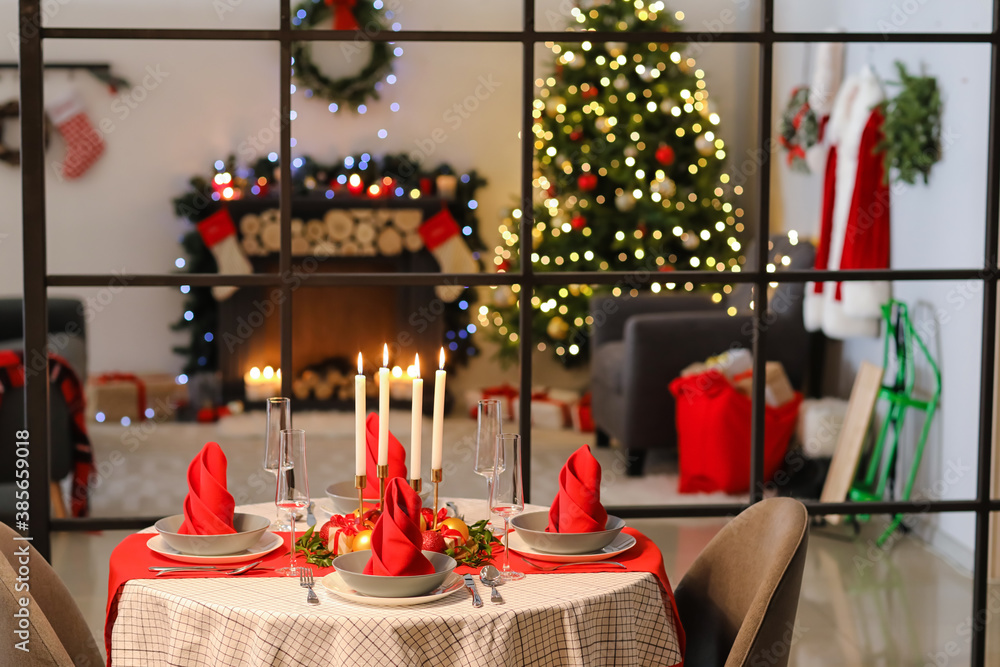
[549, 408]
[136, 397]
[582, 415]
[778, 389]
[505, 392]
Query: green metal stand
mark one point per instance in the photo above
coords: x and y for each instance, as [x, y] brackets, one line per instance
[899, 397]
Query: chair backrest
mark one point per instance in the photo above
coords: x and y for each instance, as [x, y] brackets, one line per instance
[737, 603]
[59, 634]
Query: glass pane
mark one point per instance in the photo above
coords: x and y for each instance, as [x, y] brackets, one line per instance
[139, 220]
[684, 16]
[222, 15]
[456, 15]
[883, 17]
[956, 185]
[641, 170]
[907, 601]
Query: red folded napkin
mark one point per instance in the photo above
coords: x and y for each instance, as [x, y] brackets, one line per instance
[577, 507]
[208, 507]
[396, 538]
[397, 456]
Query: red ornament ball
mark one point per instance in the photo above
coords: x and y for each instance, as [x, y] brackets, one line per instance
[578, 222]
[576, 135]
[666, 268]
[590, 93]
[665, 155]
[426, 186]
[587, 182]
[551, 191]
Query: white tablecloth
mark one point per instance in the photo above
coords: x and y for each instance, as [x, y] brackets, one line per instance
[600, 619]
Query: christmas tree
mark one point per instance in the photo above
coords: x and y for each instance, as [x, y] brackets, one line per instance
[629, 176]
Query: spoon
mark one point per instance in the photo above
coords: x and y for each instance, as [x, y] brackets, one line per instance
[490, 576]
[236, 572]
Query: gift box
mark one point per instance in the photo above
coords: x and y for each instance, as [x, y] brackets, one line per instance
[505, 392]
[713, 433]
[777, 390]
[582, 415]
[550, 408]
[136, 397]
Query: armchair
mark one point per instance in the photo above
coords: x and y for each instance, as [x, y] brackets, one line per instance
[639, 344]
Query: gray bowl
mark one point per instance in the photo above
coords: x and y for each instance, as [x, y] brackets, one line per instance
[249, 528]
[351, 568]
[345, 497]
[531, 528]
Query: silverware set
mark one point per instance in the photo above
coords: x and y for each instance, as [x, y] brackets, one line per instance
[306, 581]
[208, 568]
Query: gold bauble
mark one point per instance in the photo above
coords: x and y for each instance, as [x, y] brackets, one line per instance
[704, 146]
[362, 541]
[557, 328]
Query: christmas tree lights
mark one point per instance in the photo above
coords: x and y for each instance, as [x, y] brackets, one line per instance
[629, 176]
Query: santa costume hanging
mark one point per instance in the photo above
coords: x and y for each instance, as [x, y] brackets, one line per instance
[854, 222]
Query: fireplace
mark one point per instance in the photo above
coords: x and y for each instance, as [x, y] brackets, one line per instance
[330, 324]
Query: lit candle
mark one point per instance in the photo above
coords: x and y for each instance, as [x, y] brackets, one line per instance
[438, 433]
[383, 408]
[418, 407]
[359, 419]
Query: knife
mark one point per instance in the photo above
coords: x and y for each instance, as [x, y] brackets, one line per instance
[470, 583]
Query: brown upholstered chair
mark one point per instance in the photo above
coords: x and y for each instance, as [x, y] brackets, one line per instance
[737, 603]
[59, 635]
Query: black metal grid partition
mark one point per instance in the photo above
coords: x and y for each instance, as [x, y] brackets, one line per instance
[37, 279]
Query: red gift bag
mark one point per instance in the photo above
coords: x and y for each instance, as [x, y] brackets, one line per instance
[713, 434]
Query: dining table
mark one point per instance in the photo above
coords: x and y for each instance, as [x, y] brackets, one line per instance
[594, 614]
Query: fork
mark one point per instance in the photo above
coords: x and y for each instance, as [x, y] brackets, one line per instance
[306, 581]
[544, 568]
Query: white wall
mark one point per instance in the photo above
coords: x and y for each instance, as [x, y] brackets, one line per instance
[935, 226]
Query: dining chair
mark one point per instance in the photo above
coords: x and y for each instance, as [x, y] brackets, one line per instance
[737, 603]
[58, 634]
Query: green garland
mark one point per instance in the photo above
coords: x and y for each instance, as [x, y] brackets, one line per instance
[349, 90]
[912, 127]
[311, 180]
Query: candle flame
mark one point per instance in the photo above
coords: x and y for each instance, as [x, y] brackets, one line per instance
[361, 368]
[268, 372]
[441, 359]
[385, 355]
[416, 365]
[255, 373]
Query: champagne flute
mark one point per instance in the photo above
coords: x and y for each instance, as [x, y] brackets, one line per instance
[488, 428]
[507, 492]
[293, 485]
[279, 418]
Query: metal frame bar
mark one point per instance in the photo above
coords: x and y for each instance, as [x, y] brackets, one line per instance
[37, 280]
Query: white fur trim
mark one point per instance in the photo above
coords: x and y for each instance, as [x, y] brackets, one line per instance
[812, 309]
[827, 74]
[64, 107]
[865, 298]
[838, 324]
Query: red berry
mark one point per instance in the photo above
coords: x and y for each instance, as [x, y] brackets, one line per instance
[664, 155]
[432, 540]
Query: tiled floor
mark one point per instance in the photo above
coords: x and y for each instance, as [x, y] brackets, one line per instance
[906, 608]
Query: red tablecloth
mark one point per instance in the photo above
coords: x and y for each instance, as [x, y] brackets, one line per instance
[131, 559]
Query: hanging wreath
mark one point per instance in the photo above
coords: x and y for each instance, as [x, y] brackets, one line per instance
[912, 127]
[799, 129]
[342, 15]
[12, 109]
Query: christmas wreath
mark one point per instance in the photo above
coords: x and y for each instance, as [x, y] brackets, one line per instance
[799, 129]
[344, 15]
[912, 127]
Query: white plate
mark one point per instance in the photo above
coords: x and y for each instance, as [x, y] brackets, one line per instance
[621, 544]
[334, 583]
[267, 543]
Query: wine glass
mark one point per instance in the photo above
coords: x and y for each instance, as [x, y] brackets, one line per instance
[507, 492]
[279, 418]
[293, 485]
[488, 428]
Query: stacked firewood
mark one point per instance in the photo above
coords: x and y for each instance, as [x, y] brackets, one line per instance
[341, 232]
[330, 380]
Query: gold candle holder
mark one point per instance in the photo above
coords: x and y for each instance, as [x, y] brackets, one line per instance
[360, 481]
[416, 484]
[436, 476]
[383, 473]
